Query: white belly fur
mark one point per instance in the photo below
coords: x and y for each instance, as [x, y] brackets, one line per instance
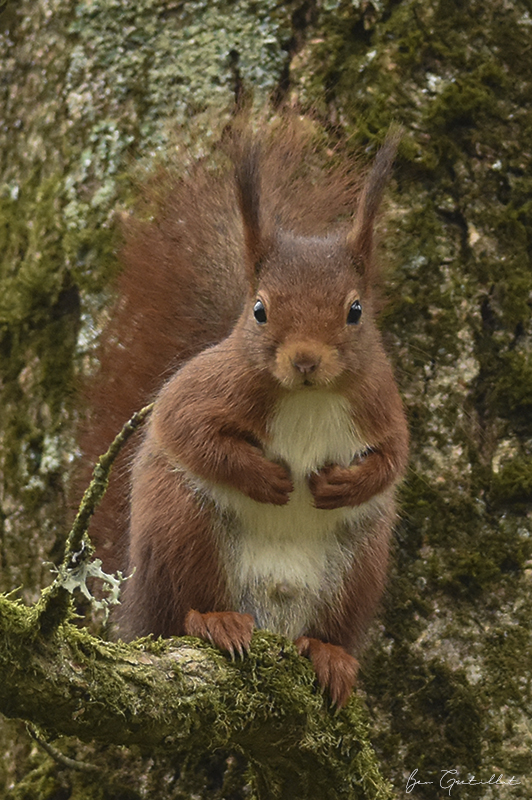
[282, 560]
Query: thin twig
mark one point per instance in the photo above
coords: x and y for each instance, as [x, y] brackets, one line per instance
[98, 485]
[54, 604]
[61, 759]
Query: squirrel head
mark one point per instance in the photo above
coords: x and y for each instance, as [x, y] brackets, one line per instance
[309, 319]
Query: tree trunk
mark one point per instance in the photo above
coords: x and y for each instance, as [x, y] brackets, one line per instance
[90, 96]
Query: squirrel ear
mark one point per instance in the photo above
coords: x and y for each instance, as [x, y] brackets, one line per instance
[360, 238]
[247, 164]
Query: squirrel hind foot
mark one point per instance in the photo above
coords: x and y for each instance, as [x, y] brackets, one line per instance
[335, 669]
[227, 630]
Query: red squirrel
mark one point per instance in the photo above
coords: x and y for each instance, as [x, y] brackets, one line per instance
[262, 493]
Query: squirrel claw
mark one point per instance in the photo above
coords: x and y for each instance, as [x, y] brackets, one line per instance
[227, 630]
[335, 669]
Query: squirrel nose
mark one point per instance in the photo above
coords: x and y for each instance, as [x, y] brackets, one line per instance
[306, 364]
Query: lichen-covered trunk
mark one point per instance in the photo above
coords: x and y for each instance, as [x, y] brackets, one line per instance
[90, 96]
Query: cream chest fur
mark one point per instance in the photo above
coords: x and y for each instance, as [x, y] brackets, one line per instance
[284, 561]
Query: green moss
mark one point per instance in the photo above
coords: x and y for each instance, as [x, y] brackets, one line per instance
[470, 574]
[39, 326]
[512, 394]
[457, 76]
[41, 783]
[512, 485]
[433, 698]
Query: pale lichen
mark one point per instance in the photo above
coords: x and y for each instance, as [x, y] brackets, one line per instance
[88, 87]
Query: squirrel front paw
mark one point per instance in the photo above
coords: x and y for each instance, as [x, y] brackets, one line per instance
[271, 484]
[228, 630]
[335, 669]
[333, 486]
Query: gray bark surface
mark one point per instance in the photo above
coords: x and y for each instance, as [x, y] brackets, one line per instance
[90, 94]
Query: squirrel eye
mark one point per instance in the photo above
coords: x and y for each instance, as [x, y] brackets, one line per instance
[259, 312]
[355, 312]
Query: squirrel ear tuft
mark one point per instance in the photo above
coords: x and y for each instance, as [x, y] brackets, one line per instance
[360, 238]
[247, 152]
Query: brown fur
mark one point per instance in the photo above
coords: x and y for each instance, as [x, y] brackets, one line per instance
[190, 287]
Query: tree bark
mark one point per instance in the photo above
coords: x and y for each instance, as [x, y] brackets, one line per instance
[89, 87]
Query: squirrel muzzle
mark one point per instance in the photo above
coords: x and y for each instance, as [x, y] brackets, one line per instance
[306, 363]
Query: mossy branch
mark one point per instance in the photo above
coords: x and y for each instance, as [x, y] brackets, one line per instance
[54, 605]
[189, 699]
